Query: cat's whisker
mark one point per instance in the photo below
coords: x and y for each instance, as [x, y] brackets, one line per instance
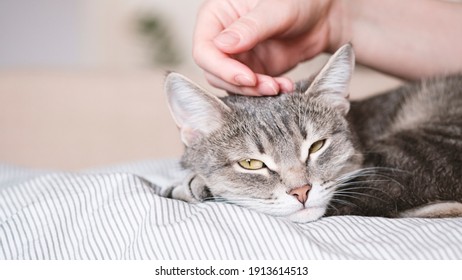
[391, 179]
[381, 168]
[357, 182]
[347, 187]
[343, 202]
[360, 187]
[332, 206]
[347, 193]
[354, 183]
[367, 171]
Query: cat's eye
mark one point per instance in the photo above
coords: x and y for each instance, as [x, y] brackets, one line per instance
[316, 146]
[251, 164]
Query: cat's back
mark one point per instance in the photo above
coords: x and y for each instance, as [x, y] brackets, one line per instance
[414, 135]
[433, 105]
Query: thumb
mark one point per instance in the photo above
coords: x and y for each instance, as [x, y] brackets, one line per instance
[263, 22]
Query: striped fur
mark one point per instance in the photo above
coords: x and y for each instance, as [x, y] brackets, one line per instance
[381, 156]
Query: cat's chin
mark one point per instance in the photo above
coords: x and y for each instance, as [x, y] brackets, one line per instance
[307, 215]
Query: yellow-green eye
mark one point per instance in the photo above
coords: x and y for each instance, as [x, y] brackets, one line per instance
[316, 146]
[251, 164]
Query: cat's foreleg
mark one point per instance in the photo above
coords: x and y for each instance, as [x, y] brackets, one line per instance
[191, 189]
[447, 209]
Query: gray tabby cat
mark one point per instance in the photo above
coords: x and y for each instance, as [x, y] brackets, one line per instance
[313, 153]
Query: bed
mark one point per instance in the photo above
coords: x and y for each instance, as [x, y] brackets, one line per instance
[116, 213]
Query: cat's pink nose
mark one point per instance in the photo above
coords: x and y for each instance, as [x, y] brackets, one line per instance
[301, 193]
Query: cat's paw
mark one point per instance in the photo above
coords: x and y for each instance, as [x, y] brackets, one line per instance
[180, 192]
[192, 189]
[167, 192]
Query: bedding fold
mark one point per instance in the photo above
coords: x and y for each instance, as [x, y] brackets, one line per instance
[116, 213]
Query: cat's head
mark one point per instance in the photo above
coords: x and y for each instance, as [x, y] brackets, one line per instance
[281, 155]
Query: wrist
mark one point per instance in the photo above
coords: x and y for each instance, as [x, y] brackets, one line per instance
[340, 20]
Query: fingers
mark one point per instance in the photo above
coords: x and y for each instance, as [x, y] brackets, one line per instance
[213, 47]
[210, 22]
[257, 25]
[266, 85]
[209, 58]
[238, 78]
[286, 85]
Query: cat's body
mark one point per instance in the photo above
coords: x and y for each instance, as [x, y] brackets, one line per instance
[414, 134]
[308, 154]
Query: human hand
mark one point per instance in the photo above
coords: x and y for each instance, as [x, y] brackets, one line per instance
[245, 45]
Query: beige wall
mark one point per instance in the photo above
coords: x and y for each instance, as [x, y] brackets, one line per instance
[113, 42]
[86, 33]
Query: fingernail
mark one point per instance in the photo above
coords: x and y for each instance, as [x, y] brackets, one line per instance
[269, 89]
[244, 80]
[227, 39]
[286, 88]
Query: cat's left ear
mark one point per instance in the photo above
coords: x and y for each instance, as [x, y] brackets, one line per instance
[196, 112]
[332, 82]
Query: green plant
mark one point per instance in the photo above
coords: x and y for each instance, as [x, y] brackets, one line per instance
[157, 35]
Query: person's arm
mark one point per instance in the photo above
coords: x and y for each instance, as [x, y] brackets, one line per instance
[410, 39]
[245, 45]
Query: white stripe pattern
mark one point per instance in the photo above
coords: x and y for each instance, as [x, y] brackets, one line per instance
[115, 213]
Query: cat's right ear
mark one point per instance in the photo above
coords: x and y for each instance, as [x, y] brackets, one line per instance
[196, 112]
[332, 82]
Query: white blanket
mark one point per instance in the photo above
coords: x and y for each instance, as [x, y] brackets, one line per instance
[115, 213]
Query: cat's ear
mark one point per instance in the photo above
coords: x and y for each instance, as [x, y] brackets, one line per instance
[332, 82]
[196, 112]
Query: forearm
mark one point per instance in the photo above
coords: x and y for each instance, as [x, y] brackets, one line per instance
[409, 39]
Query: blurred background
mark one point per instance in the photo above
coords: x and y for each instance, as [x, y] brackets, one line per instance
[81, 80]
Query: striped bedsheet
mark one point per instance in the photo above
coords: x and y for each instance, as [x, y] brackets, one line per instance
[115, 213]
